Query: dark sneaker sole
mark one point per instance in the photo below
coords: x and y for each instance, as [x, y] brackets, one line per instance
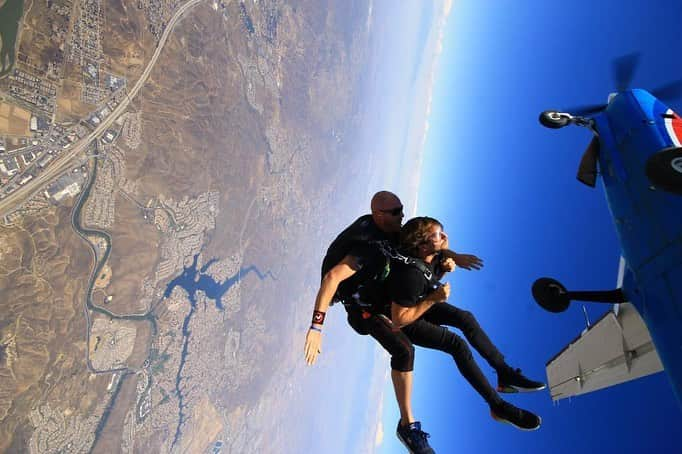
[506, 421]
[511, 389]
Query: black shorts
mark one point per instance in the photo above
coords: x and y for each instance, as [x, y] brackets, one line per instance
[395, 342]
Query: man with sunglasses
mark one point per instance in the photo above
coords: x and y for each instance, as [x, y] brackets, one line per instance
[352, 264]
[423, 239]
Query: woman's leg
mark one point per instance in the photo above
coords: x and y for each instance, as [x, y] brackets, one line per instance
[429, 335]
[449, 315]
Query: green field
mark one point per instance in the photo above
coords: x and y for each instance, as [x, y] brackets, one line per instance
[10, 15]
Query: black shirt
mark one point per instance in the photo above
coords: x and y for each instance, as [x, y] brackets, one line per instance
[407, 284]
[363, 230]
[357, 241]
[367, 283]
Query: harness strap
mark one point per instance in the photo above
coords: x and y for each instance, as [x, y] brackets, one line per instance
[420, 265]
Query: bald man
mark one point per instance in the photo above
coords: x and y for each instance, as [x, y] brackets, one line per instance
[349, 264]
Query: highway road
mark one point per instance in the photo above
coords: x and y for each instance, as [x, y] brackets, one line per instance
[64, 162]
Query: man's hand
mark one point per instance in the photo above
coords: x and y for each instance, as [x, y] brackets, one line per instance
[313, 346]
[441, 294]
[468, 261]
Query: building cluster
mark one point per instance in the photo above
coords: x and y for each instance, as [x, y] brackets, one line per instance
[96, 88]
[163, 369]
[114, 83]
[68, 185]
[39, 125]
[157, 13]
[57, 432]
[91, 92]
[231, 302]
[221, 270]
[37, 94]
[85, 45]
[9, 166]
[100, 209]
[147, 295]
[132, 130]
[180, 360]
[192, 218]
[96, 117]
[85, 50]
[205, 346]
[112, 343]
[20, 165]
[260, 77]
[29, 156]
[33, 86]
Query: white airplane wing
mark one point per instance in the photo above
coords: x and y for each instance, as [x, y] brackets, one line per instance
[615, 349]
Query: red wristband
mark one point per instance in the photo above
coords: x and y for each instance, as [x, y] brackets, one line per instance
[318, 317]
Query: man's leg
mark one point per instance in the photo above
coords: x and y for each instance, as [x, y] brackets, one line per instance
[401, 350]
[409, 431]
[402, 384]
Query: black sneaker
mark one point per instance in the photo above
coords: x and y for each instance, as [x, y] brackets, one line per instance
[414, 438]
[513, 381]
[517, 417]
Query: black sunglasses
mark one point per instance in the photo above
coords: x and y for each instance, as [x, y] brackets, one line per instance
[397, 211]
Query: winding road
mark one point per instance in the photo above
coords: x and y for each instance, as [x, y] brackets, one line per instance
[63, 164]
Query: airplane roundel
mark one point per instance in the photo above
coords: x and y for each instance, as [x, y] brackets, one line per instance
[673, 127]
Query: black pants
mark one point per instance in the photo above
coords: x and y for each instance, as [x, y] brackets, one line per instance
[427, 332]
[396, 343]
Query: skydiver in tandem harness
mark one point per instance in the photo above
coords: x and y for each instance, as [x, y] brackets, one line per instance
[423, 242]
[351, 263]
[353, 272]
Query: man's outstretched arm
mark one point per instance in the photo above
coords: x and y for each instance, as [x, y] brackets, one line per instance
[330, 282]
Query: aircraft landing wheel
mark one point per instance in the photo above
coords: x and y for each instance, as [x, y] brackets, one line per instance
[553, 119]
[550, 294]
[664, 170]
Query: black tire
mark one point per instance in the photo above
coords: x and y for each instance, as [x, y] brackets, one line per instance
[664, 170]
[550, 119]
[550, 295]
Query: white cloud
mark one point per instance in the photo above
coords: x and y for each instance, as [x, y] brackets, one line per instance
[431, 77]
[379, 439]
[369, 15]
[447, 7]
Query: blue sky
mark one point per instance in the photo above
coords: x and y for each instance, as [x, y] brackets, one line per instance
[505, 189]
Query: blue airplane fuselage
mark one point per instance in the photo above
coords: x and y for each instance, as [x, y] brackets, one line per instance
[633, 127]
